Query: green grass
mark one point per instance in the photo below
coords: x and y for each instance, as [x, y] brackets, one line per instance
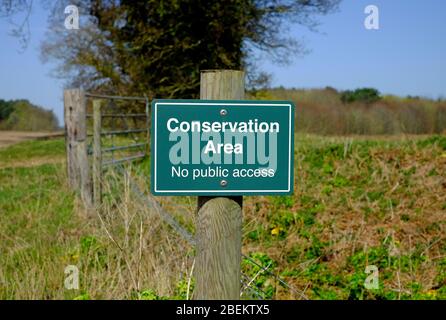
[36, 220]
[357, 202]
[44, 229]
[32, 149]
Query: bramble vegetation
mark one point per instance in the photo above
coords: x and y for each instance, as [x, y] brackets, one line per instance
[358, 202]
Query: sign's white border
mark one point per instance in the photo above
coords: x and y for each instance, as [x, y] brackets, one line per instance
[290, 156]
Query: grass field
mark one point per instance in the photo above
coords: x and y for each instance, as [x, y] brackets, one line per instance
[359, 201]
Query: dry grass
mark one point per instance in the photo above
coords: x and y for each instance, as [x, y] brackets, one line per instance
[321, 111]
[123, 251]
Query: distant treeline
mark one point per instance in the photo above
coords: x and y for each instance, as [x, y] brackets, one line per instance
[362, 111]
[24, 116]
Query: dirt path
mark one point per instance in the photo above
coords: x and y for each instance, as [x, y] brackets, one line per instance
[8, 138]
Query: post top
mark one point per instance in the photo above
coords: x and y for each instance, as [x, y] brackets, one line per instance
[219, 70]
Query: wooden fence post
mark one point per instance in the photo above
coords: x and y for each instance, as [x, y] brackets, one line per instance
[76, 143]
[97, 153]
[219, 221]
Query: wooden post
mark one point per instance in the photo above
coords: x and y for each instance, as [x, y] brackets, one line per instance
[97, 153]
[219, 221]
[76, 144]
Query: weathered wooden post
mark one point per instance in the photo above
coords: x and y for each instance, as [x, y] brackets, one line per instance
[219, 221]
[97, 153]
[76, 144]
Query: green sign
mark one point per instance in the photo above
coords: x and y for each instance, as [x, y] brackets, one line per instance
[221, 147]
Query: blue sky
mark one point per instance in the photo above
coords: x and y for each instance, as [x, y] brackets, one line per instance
[406, 56]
